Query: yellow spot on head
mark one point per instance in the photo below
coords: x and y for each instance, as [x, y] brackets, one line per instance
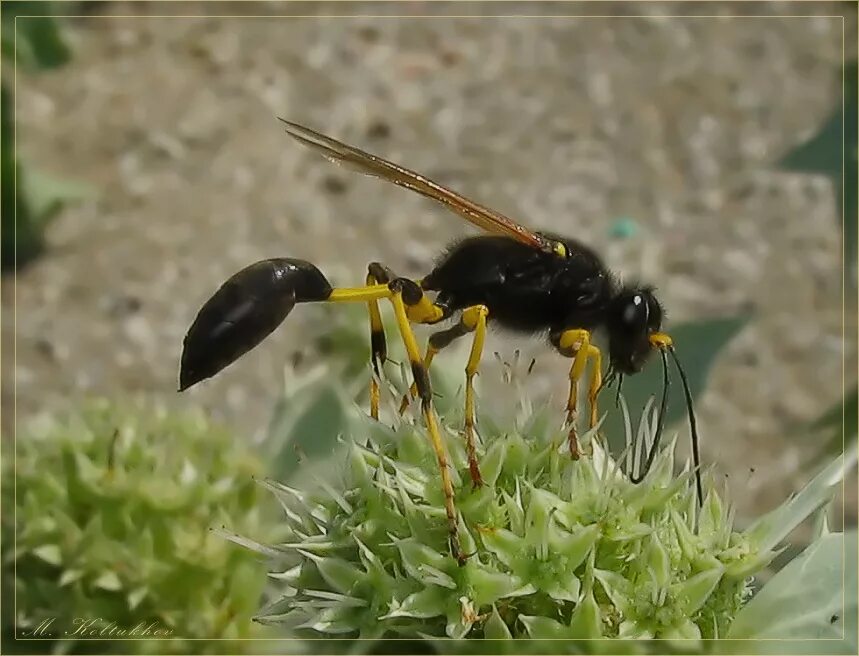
[560, 249]
[661, 340]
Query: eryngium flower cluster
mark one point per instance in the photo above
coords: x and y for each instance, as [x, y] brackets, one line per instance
[114, 505]
[562, 548]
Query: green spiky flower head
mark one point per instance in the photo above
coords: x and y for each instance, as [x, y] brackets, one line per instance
[114, 506]
[560, 548]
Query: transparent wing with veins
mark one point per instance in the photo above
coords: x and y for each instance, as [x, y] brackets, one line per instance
[363, 162]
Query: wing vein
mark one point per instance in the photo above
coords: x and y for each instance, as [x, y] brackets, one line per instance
[372, 165]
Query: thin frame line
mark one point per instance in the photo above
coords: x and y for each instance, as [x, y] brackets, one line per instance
[317, 16]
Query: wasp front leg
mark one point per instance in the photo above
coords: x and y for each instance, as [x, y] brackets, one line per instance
[576, 343]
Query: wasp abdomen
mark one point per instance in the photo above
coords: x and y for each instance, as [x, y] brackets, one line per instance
[244, 311]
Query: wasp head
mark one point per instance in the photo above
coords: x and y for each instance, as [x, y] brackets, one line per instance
[634, 315]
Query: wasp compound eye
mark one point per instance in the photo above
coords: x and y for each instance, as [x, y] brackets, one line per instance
[244, 311]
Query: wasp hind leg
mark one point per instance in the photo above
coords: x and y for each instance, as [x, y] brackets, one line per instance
[473, 320]
[412, 306]
[576, 344]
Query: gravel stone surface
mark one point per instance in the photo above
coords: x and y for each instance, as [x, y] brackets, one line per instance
[566, 124]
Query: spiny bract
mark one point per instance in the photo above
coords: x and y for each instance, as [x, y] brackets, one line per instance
[561, 548]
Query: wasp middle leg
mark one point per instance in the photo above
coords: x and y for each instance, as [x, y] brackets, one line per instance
[576, 343]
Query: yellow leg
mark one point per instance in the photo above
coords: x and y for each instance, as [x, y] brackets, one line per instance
[405, 295]
[376, 273]
[473, 319]
[359, 294]
[576, 343]
[413, 390]
[425, 392]
[595, 382]
[419, 309]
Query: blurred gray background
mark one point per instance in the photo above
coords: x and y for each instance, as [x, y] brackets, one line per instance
[670, 125]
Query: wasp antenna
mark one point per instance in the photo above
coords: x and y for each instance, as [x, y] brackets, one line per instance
[660, 426]
[693, 426]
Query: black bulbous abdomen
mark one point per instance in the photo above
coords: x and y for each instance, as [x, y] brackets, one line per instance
[244, 311]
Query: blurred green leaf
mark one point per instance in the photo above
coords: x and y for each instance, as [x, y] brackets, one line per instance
[32, 36]
[697, 345]
[812, 598]
[22, 228]
[822, 154]
[28, 236]
[840, 424]
[768, 531]
[46, 194]
[40, 43]
[305, 428]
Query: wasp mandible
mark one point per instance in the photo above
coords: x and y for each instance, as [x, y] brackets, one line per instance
[530, 282]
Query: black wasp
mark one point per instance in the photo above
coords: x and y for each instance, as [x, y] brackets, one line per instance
[531, 282]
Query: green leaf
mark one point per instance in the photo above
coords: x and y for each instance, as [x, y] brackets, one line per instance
[39, 196]
[495, 628]
[813, 597]
[340, 574]
[822, 154]
[136, 596]
[574, 546]
[47, 194]
[40, 43]
[310, 433]
[586, 621]
[658, 562]
[425, 564]
[70, 576]
[108, 581]
[490, 586]
[21, 237]
[697, 344]
[543, 628]
[840, 423]
[768, 531]
[618, 589]
[506, 545]
[429, 602]
[50, 553]
[695, 590]
[333, 620]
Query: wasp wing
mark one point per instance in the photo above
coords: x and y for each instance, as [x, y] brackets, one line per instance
[363, 162]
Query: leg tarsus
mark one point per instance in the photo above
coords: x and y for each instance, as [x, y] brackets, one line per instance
[575, 343]
[573, 441]
[473, 319]
[376, 274]
[413, 388]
